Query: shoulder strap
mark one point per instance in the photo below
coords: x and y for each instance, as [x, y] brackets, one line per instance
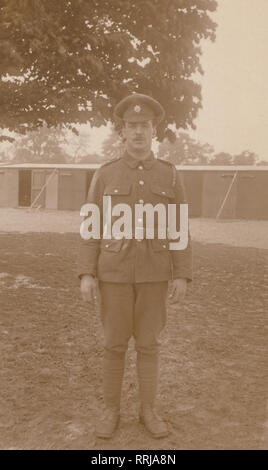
[109, 162]
[174, 171]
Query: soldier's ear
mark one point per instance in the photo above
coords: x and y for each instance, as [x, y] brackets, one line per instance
[122, 134]
[154, 128]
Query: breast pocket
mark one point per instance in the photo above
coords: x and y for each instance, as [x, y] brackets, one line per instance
[113, 246]
[161, 193]
[119, 193]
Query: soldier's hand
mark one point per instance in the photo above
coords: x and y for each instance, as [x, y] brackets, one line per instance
[88, 288]
[178, 290]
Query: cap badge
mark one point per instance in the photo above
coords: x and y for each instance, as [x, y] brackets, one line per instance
[137, 109]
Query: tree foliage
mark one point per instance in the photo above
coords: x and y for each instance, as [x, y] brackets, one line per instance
[113, 146]
[185, 151]
[245, 158]
[70, 61]
[222, 158]
[41, 146]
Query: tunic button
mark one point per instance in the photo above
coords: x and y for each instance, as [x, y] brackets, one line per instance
[138, 240]
[141, 182]
[106, 246]
[140, 167]
[115, 190]
[164, 246]
[163, 192]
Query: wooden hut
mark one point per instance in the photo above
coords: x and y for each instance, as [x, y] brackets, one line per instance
[212, 191]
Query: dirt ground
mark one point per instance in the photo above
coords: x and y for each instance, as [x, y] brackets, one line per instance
[231, 232]
[213, 390]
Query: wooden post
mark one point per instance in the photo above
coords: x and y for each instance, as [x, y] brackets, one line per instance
[226, 196]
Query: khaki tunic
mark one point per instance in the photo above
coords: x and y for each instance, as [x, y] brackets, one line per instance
[131, 182]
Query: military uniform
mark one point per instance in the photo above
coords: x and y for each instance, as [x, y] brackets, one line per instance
[133, 274]
[131, 182]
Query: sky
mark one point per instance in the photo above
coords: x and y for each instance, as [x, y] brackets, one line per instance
[235, 85]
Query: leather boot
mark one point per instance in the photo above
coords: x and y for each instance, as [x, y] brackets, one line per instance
[113, 371]
[152, 422]
[108, 423]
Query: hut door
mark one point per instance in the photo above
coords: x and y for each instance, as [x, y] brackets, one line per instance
[25, 187]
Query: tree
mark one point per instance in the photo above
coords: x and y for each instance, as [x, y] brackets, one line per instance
[66, 62]
[113, 146]
[185, 151]
[222, 158]
[5, 153]
[245, 158]
[92, 158]
[77, 145]
[41, 146]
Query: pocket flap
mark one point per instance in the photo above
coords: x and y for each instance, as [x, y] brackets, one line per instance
[120, 189]
[162, 190]
[111, 245]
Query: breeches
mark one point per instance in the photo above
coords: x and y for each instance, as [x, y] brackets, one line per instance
[137, 310]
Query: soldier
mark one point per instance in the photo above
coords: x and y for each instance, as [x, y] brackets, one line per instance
[132, 275]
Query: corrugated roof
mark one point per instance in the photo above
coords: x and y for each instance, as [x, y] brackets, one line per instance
[93, 166]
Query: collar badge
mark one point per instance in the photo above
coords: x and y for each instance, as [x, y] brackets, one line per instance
[137, 109]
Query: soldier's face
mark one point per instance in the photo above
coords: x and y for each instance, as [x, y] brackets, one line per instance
[138, 136]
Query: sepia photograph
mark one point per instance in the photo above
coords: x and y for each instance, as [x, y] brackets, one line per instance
[133, 227]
